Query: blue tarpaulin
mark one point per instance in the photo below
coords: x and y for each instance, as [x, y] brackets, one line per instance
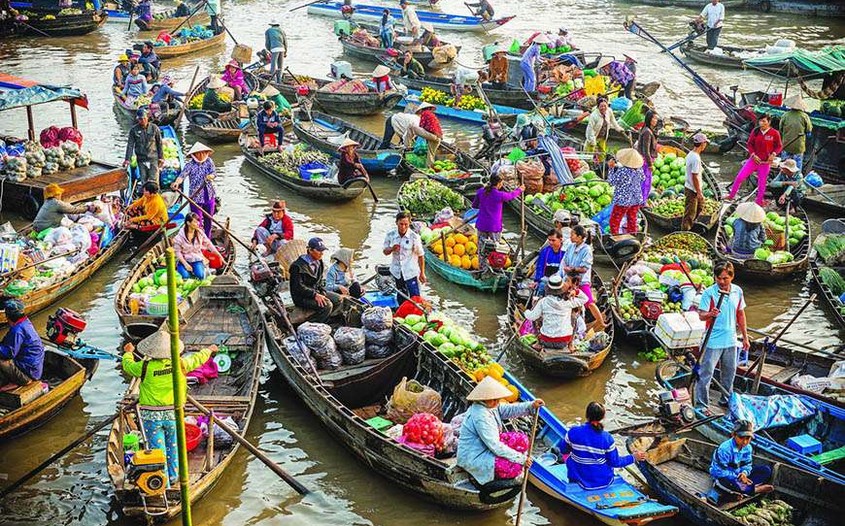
[18, 93]
[766, 412]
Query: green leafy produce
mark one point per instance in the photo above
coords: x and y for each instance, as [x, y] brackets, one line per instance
[655, 355]
[427, 197]
[833, 280]
[288, 162]
[831, 248]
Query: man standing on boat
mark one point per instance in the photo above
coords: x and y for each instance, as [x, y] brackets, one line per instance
[407, 265]
[795, 128]
[693, 186]
[21, 351]
[410, 19]
[212, 7]
[145, 142]
[483, 9]
[714, 15]
[276, 43]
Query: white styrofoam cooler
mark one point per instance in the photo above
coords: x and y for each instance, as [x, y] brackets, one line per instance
[679, 330]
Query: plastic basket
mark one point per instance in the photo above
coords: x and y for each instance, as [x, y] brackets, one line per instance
[313, 170]
[157, 305]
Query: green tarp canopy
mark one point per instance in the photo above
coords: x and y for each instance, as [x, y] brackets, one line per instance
[809, 64]
[818, 119]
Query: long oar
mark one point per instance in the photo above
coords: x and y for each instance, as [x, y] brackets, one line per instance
[150, 241]
[525, 469]
[305, 5]
[190, 90]
[810, 350]
[218, 223]
[182, 23]
[762, 358]
[703, 347]
[366, 182]
[18, 483]
[275, 468]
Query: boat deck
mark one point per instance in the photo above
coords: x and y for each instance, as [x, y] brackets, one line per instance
[834, 202]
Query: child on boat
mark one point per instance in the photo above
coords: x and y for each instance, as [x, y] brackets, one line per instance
[731, 466]
[555, 309]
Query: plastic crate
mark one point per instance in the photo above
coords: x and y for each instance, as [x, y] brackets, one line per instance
[377, 299]
[804, 444]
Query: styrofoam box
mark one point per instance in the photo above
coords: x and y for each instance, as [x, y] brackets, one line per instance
[678, 330]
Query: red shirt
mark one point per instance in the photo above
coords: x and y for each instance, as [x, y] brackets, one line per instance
[764, 144]
[430, 123]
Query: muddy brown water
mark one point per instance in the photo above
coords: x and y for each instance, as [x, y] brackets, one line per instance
[76, 490]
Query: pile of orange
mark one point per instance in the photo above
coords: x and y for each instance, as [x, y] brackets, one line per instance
[461, 250]
[496, 371]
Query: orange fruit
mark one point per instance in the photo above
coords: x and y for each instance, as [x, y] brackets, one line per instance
[508, 263]
[459, 250]
[450, 241]
[455, 261]
[475, 263]
[466, 263]
[471, 248]
[460, 239]
[437, 247]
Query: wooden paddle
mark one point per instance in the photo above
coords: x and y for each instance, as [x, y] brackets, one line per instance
[366, 182]
[275, 468]
[525, 469]
[761, 360]
[182, 23]
[305, 5]
[187, 94]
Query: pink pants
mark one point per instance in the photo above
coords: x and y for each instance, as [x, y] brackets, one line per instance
[747, 169]
[630, 215]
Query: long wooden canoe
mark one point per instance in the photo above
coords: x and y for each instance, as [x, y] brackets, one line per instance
[556, 363]
[379, 54]
[164, 118]
[137, 326]
[213, 320]
[369, 103]
[39, 299]
[190, 47]
[327, 190]
[168, 21]
[728, 59]
[322, 132]
[64, 377]
[758, 269]
[512, 96]
[677, 471]
[64, 25]
[828, 299]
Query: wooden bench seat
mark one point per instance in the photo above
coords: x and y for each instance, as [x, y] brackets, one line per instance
[22, 395]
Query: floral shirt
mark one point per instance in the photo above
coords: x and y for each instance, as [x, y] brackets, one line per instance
[196, 174]
[620, 73]
[627, 185]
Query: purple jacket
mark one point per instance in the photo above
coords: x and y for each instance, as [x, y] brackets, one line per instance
[489, 207]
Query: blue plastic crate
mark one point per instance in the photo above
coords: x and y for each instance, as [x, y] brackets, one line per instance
[313, 170]
[377, 299]
[804, 444]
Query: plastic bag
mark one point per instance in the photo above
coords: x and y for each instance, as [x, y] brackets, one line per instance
[377, 352]
[503, 468]
[70, 133]
[49, 137]
[377, 318]
[351, 344]
[410, 397]
[327, 355]
[317, 337]
[384, 337]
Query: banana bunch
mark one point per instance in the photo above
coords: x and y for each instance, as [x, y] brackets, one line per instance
[433, 96]
[287, 163]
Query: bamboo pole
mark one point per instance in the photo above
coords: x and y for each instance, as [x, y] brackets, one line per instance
[178, 377]
[526, 470]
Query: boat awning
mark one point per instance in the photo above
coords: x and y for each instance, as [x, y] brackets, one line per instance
[808, 64]
[16, 92]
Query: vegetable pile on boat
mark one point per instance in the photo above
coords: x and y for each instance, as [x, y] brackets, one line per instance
[425, 197]
[183, 36]
[765, 512]
[666, 197]
[775, 225]
[150, 291]
[588, 196]
[197, 100]
[831, 248]
[467, 102]
[31, 159]
[290, 161]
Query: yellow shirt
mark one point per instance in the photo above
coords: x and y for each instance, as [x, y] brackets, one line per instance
[154, 209]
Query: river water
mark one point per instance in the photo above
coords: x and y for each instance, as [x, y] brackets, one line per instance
[75, 490]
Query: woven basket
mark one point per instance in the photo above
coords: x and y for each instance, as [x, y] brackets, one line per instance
[778, 238]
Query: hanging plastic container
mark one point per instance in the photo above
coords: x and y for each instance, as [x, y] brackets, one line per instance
[775, 98]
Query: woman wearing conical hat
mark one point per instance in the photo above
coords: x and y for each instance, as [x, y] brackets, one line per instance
[200, 173]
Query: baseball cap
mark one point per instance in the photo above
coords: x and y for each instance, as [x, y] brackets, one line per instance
[315, 243]
[700, 138]
[744, 428]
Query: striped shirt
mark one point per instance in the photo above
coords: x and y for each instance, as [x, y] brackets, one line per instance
[592, 456]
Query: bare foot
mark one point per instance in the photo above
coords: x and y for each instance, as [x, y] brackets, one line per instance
[764, 488]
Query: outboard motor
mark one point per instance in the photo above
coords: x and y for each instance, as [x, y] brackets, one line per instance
[64, 327]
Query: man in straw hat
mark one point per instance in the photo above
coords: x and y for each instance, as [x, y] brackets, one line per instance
[381, 78]
[155, 395]
[528, 62]
[200, 173]
[479, 443]
[429, 37]
[724, 321]
[429, 129]
[349, 165]
[788, 183]
[21, 350]
[555, 311]
[693, 184]
[276, 42]
[121, 71]
[53, 210]
[748, 231]
[275, 229]
[145, 143]
[795, 129]
[626, 176]
[211, 100]
[732, 469]
[306, 284]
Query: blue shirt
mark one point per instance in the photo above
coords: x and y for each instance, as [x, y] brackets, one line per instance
[547, 257]
[579, 256]
[748, 237]
[531, 55]
[479, 443]
[728, 461]
[24, 347]
[592, 456]
[163, 91]
[262, 120]
[724, 328]
[336, 278]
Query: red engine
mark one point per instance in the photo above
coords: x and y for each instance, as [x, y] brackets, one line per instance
[64, 327]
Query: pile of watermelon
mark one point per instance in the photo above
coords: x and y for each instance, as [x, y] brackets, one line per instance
[424, 428]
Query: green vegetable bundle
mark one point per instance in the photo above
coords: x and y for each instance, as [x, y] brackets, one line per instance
[658, 354]
[766, 512]
[427, 197]
[833, 280]
[831, 248]
[288, 162]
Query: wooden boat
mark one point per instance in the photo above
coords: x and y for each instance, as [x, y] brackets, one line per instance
[830, 199]
[800, 7]
[212, 320]
[61, 26]
[826, 424]
[41, 298]
[378, 54]
[827, 298]
[466, 183]
[221, 127]
[757, 269]
[655, 253]
[555, 363]
[466, 278]
[513, 96]
[323, 131]
[712, 191]
[24, 409]
[506, 114]
[677, 471]
[190, 47]
[695, 4]
[167, 21]
[137, 326]
[161, 118]
[323, 190]
[731, 57]
[448, 21]
[783, 364]
[619, 504]
[369, 103]
[344, 399]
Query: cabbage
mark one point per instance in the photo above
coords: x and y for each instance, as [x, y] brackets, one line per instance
[762, 254]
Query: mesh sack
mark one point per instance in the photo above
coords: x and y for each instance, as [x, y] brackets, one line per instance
[314, 334]
[327, 355]
[384, 337]
[377, 318]
[300, 355]
[353, 357]
[349, 338]
[376, 351]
